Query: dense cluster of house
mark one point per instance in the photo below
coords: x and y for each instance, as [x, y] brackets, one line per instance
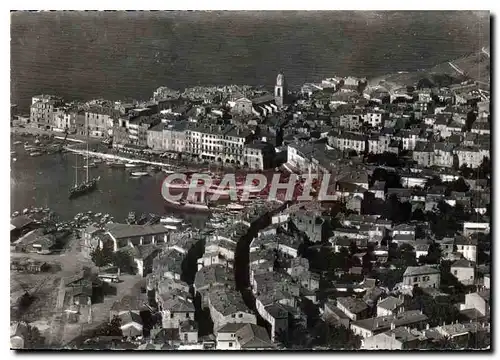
[435, 141]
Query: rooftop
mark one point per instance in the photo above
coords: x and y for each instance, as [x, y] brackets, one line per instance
[119, 231]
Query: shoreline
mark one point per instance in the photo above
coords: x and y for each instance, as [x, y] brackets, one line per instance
[116, 157]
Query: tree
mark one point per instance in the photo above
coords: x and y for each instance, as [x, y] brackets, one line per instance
[33, 340]
[434, 181]
[433, 255]
[458, 185]
[334, 337]
[437, 311]
[295, 337]
[418, 215]
[112, 328]
[471, 117]
[124, 261]
[102, 256]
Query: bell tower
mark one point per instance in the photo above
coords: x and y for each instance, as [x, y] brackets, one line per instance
[280, 90]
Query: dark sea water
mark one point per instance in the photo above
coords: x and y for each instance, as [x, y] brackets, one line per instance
[118, 55]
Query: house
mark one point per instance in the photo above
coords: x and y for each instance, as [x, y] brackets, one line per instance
[19, 225]
[421, 276]
[354, 308]
[135, 303]
[421, 249]
[333, 315]
[376, 325]
[259, 155]
[175, 307]
[480, 301]
[423, 154]
[400, 338]
[471, 227]
[188, 332]
[124, 235]
[467, 246]
[463, 270]
[389, 306]
[242, 336]
[79, 287]
[144, 256]
[310, 222]
[131, 324]
[35, 241]
[227, 306]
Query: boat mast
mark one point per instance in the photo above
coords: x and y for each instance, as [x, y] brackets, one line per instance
[76, 170]
[87, 152]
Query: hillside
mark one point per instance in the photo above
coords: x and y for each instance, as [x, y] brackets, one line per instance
[474, 66]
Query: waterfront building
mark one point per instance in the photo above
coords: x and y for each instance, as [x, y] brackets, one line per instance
[42, 110]
[100, 119]
[124, 235]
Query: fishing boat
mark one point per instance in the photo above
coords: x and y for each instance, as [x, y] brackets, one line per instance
[142, 219]
[190, 204]
[139, 173]
[86, 186]
[36, 153]
[170, 220]
[116, 165]
[131, 218]
[154, 168]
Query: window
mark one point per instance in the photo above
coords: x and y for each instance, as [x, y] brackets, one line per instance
[415, 279]
[230, 344]
[234, 315]
[171, 315]
[240, 315]
[185, 337]
[187, 315]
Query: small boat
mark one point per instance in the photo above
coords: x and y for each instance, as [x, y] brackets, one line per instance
[142, 219]
[90, 166]
[14, 159]
[18, 142]
[16, 213]
[37, 141]
[98, 215]
[36, 153]
[171, 227]
[116, 165]
[25, 211]
[139, 173]
[166, 171]
[234, 206]
[13, 153]
[170, 219]
[130, 165]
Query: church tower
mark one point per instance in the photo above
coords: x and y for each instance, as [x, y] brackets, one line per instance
[280, 90]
